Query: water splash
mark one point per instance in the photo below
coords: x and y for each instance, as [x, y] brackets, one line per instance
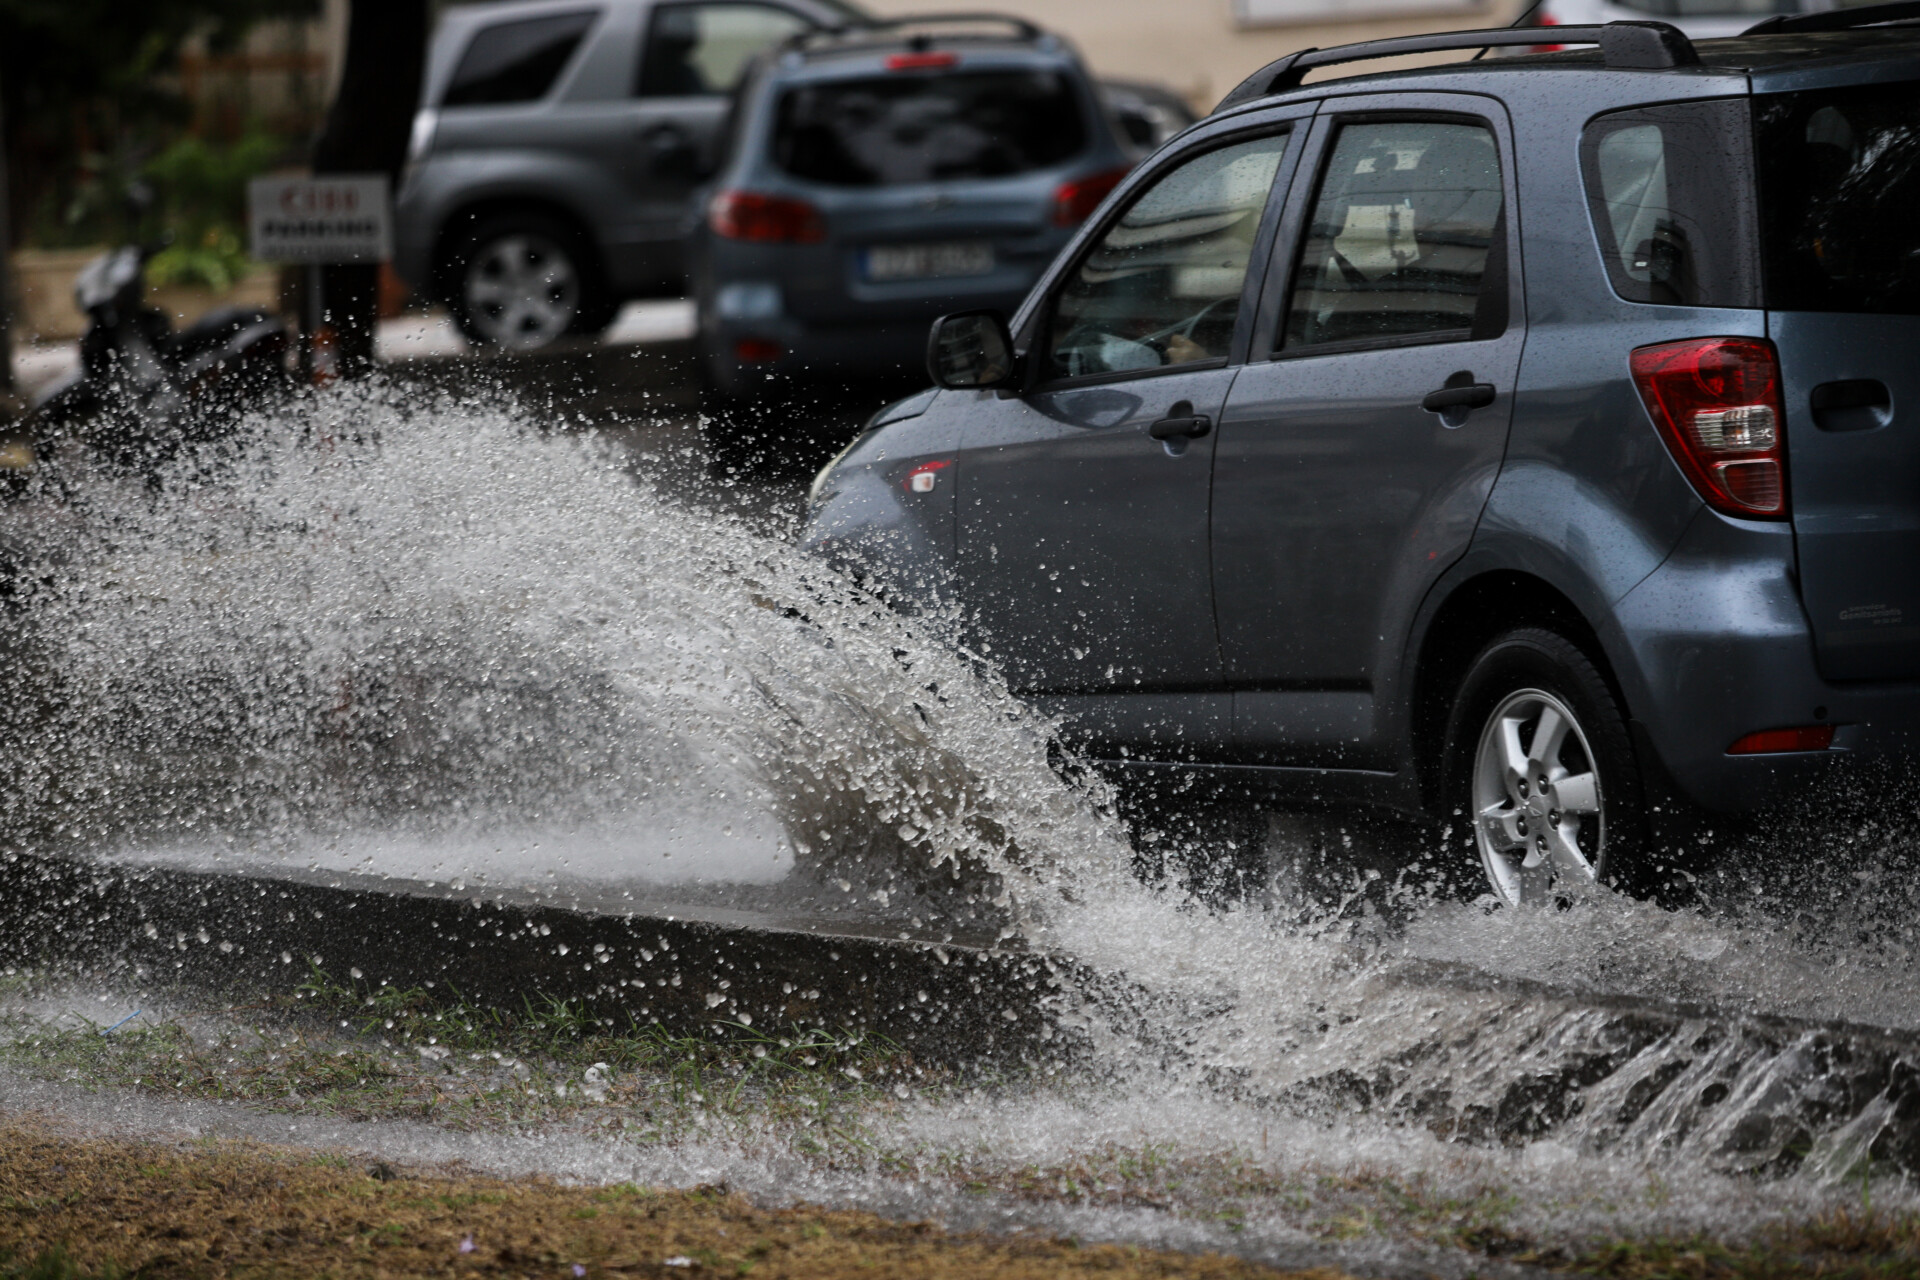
[426, 635]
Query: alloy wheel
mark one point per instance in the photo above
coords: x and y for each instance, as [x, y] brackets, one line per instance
[521, 291]
[1537, 798]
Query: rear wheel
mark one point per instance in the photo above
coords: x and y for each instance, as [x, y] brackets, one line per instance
[1540, 763]
[522, 281]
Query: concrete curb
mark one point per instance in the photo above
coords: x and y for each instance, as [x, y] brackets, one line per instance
[240, 933]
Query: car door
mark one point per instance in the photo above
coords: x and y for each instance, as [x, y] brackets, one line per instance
[654, 126]
[1838, 187]
[1082, 503]
[1355, 454]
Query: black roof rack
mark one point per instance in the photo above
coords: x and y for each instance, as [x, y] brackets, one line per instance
[1627, 45]
[1835, 19]
[872, 28]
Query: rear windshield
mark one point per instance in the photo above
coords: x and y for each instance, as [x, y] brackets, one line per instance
[516, 61]
[1671, 192]
[910, 128]
[1840, 198]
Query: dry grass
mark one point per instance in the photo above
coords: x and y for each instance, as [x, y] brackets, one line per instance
[102, 1207]
[1857, 1244]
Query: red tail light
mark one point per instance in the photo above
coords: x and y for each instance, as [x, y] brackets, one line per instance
[1813, 737]
[1717, 403]
[747, 215]
[1547, 20]
[922, 61]
[1075, 201]
[755, 351]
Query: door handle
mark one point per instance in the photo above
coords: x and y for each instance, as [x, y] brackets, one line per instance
[1857, 404]
[1471, 396]
[1181, 423]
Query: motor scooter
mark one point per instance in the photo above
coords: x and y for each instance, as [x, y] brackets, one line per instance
[141, 391]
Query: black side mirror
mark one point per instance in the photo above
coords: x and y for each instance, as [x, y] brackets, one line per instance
[970, 351]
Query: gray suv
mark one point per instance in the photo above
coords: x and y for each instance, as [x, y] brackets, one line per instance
[1532, 443]
[557, 146]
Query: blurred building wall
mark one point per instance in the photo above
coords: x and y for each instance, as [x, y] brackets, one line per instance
[1202, 48]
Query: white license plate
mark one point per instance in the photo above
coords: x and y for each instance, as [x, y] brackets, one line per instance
[927, 261]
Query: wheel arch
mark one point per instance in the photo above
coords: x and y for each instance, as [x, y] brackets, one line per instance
[1471, 614]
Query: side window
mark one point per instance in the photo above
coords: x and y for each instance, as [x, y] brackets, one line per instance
[1162, 286]
[701, 49]
[1402, 238]
[1670, 188]
[516, 61]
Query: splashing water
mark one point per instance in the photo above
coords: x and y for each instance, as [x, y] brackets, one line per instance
[422, 637]
[400, 633]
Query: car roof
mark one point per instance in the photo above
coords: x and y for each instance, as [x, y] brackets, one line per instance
[1805, 56]
[869, 48]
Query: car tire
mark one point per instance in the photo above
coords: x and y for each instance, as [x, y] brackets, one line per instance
[1588, 824]
[522, 281]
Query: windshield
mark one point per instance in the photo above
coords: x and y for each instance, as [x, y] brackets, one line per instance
[911, 128]
[1839, 184]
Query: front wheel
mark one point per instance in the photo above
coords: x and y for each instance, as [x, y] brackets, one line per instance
[1540, 764]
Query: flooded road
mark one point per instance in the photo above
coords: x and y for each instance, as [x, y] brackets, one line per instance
[422, 639]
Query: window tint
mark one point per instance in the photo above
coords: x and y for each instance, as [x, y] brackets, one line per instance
[1840, 198]
[516, 61]
[705, 48]
[1671, 192]
[1162, 285]
[1401, 238]
[928, 127]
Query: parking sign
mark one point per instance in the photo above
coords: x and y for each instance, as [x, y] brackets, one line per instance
[333, 219]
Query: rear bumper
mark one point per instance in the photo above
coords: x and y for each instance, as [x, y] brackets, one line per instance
[1718, 646]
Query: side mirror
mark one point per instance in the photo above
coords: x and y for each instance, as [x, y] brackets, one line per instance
[970, 351]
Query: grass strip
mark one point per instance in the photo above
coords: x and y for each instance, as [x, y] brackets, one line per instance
[82, 1208]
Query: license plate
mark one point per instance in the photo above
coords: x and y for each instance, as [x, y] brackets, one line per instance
[927, 261]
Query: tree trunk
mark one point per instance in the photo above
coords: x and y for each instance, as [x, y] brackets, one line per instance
[6, 284]
[366, 132]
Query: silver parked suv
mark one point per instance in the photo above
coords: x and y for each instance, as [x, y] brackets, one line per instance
[557, 146]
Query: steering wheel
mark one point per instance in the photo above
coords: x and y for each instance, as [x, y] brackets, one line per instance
[1227, 309]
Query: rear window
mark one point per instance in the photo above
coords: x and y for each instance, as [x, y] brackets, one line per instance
[516, 61]
[909, 128]
[1840, 198]
[1671, 192]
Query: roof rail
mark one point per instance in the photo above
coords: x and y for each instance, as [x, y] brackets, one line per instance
[1625, 45]
[1835, 19]
[869, 27]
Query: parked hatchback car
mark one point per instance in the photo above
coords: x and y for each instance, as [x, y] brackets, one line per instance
[879, 176]
[1530, 443]
[557, 146]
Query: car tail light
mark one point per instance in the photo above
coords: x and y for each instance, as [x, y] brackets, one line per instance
[1076, 200]
[755, 351]
[748, 215]
[1547, 20]
[1717, 404]
[922, 61]
[1812, 737]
